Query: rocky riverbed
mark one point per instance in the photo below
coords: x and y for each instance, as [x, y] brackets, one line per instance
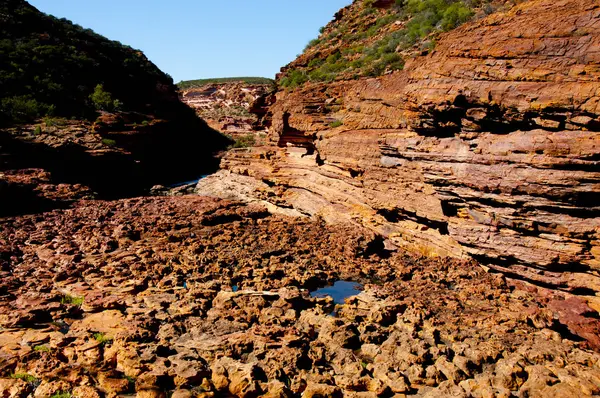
[191, 296]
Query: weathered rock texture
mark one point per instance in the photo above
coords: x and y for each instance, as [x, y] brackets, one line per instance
[489, 147]
[227, 107]
[199, 297]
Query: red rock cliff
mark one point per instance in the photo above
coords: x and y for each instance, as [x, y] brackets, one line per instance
[489, 147]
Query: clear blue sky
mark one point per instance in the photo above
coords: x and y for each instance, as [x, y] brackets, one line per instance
[192, 39]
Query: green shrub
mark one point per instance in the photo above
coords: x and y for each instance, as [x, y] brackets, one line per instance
[245, 141]
[51, 121]
[23, 109]
[37, 130]
[62, 394]
[102, 338]
[41, 348]
[312, 43]
[72, 300]
[109, 142]
[316, 62]
[294, 78]
[333, 58]
[367, 11]
[103, 100]
[25, 377]
[336, 123]
[455, 15]
[317, 75]
[392, 61]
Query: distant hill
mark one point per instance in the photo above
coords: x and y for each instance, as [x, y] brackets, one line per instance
[52, 66]
[201, 82]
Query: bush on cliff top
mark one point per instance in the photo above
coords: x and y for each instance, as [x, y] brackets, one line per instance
[374, 49]
[50, 66]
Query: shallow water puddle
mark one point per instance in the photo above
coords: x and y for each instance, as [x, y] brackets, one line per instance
[339, 292]
[190, 182]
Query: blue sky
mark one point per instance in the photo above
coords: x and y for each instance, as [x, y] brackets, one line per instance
[193, 39]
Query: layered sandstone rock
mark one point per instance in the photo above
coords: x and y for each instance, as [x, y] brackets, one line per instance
[227, 107]
[488, 148]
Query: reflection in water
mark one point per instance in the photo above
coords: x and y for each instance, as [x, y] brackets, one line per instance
[339, 292]
[190, 182]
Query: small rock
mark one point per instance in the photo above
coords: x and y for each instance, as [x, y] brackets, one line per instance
[315, 390]
[85, 392]
[13, 388]
[47, 389]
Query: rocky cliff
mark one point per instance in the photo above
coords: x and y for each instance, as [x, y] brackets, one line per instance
[487, 147]
[232, 107]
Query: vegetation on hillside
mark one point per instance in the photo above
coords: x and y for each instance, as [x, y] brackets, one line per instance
[220, 80]
[50, 66]
[371, 41]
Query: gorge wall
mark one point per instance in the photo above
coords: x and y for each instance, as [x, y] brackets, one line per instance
[488, 147]
[227, 107]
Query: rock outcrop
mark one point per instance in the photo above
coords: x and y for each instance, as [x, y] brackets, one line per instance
[489, 147]
[233, 108]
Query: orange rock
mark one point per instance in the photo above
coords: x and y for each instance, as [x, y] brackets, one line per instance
[486, 148]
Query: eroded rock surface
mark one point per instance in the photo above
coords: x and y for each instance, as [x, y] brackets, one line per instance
[233, 108]
[486, 148]
[199, 297]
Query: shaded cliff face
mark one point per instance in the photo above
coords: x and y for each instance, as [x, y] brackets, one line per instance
[50, 163]
[488, 147]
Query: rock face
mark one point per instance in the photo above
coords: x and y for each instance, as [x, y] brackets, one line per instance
[28, 190]
[488, 147]
[227, 107]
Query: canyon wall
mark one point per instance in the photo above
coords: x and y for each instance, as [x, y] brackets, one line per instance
[228, 107]
[488, 147]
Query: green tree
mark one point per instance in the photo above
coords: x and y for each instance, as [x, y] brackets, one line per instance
[103, 100]
[455, 15]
